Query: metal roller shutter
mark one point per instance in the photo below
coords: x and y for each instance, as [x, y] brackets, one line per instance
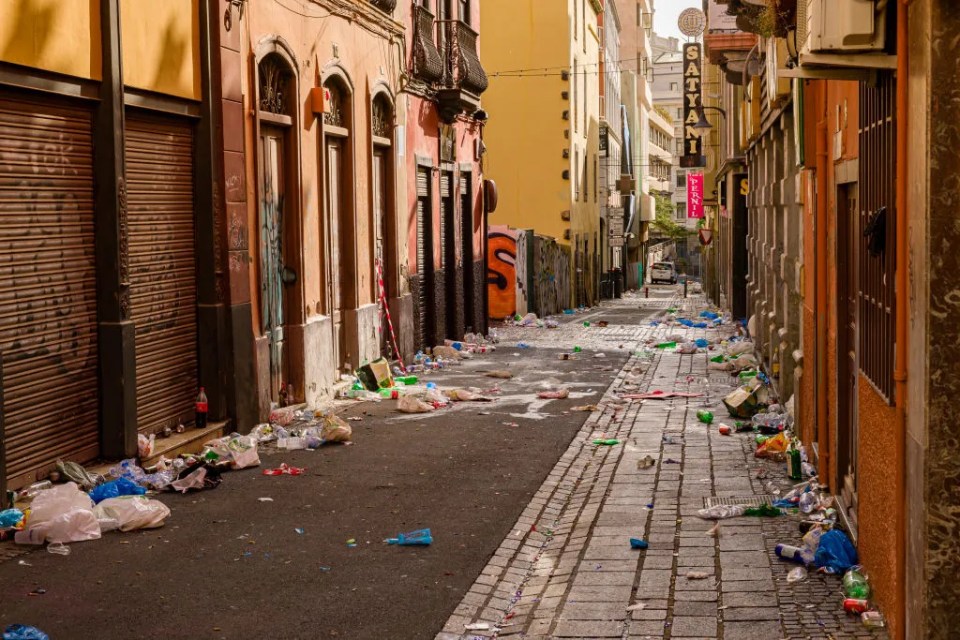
[423, 207]
[48, 314]
[163, 290]
[446, 215]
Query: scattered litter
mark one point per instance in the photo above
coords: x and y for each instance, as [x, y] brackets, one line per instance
[352, 542]
[502, 374]
[660, 395]
[639, 606]
[10, 518]
[637, 543]
[413, 404]
[335, 429]
[60, 514]
[114, 489]
[284, 469]
[58, 549]
[24, 563]
[721, 511]
[23, 632]
[797, 574]
[299, 530]
[554, 394]
[697, 575]
[420, 538]
[607, 442]
[39, 591]
[585, 407]
[133, 512]
[265, 499]
[510, 424]
[477, 626]
[646, 462]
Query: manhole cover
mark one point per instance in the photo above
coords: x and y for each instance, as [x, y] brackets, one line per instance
[750, 501]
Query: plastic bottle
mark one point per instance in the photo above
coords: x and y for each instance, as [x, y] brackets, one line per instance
[706, 417]
[201, 410]
[808, 502]
[855, 584]
[790, 552]
[420, 537]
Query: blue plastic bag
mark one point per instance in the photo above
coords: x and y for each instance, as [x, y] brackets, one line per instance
[23, 632]
[10, 518]
[709, 315]
[115, 489]
[702, 343]
[836, 553]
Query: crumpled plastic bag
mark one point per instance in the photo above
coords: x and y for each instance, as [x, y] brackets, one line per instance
[773, 447]
[413, 404]
[721, 366]
[502, 374]
[23, 632]
[554, 394]
[116, 488]
[688, 347]
[61, 514]
[736, 348]
[133, 512]
[835, 553]
[335, 429]
[145, 445]
[197, 479]
[131, 470]
[466, 395]
[239, 451]
[447, 352]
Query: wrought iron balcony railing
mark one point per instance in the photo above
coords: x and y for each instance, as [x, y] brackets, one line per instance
[387, 6]
[427, 64]
[463, 69]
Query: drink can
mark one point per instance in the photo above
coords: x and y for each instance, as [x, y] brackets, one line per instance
[724, 430]
[855, 605]
[872, 619]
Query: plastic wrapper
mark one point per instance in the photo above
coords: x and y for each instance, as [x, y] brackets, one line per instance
[773, 447]
[413, 404]
[554, 394]
[133, 512]
[116, 488]
[721, 511]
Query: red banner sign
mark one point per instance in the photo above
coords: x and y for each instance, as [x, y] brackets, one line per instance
[694, 195]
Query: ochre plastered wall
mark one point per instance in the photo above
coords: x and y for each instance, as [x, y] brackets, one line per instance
[161, 46]
[62, 36]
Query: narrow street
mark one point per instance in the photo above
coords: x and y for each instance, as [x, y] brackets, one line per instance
[567, 569]
[466, 472]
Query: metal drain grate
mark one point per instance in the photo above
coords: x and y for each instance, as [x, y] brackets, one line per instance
[749, 501]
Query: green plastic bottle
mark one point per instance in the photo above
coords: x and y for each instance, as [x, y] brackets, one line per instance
[794, 462]
[577, 349]
[667, 345]
[855, 585]
[606, 442]
[706, 417]
[407, 380]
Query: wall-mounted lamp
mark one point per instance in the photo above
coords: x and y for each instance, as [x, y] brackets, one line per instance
[239, 5]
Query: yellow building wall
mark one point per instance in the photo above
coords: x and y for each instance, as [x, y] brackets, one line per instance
[525, 136]
[161, 46]
[62, 36]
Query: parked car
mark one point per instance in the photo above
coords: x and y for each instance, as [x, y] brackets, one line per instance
[663, 272]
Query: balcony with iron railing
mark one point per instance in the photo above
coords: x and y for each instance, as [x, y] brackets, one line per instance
[464, 79]
[428, 66]
[387, 6]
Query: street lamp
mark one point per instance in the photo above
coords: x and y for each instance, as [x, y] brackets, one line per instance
[703, 125]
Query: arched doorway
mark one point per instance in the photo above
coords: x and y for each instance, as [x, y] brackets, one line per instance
[384, 236]
[278, 247]
[340, 224]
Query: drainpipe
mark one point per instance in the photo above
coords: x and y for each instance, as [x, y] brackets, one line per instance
[900, 346]
[820, 310]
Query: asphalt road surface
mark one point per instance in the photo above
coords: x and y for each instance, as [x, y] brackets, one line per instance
[228, 565]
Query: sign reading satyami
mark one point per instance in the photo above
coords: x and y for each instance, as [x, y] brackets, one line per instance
[692, 100]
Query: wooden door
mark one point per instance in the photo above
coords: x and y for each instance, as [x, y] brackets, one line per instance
[271, 217]
[336, 236]
[380, 247]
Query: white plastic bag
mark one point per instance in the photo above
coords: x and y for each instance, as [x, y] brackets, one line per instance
[133, 512]
[412, 404]
[737, 348]
[61, 514]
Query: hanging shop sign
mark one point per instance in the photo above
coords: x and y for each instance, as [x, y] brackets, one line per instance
[694, 195]
[692, 103]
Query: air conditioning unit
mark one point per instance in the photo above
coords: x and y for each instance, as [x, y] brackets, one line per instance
[850, 26]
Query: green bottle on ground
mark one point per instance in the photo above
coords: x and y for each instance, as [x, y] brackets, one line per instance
[706, 417]
[855, 585]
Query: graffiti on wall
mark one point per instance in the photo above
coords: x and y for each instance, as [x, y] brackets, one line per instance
[502, 271]
[551, 264]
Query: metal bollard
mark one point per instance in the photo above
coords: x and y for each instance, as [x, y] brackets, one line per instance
[684, 287]
[646, 292]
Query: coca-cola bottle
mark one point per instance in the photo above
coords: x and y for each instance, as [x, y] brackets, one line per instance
[201, 420]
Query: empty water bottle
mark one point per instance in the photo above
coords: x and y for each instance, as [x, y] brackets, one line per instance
[809, 501]
[420, 537]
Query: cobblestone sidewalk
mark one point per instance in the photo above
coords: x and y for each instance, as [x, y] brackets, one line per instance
[567, 570]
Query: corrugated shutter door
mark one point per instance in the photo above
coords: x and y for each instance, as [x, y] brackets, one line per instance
[48, 314]
[163, 290]
[446, 204]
